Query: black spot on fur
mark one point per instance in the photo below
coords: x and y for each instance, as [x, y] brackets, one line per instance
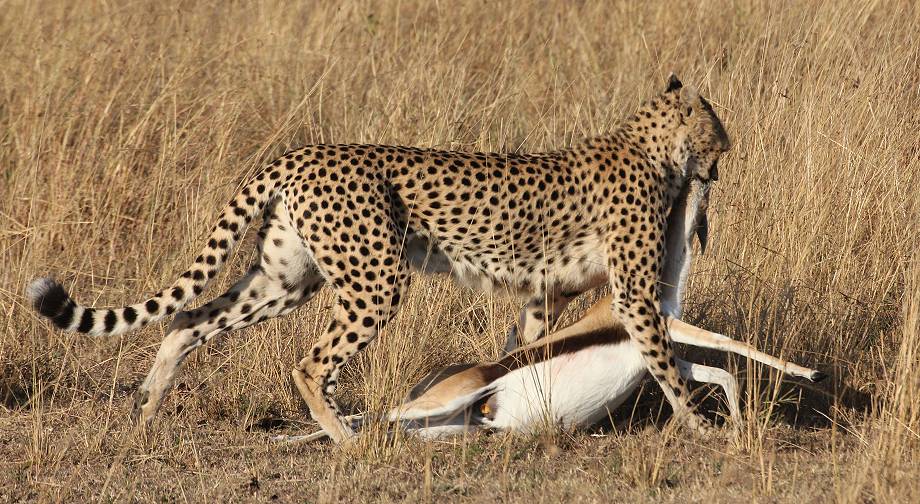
[53, 302]
[130, 315]
[110, 319]
[86, 321]
[152, 306]
[64, 318]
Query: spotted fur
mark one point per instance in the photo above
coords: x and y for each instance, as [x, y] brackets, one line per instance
[358, 217]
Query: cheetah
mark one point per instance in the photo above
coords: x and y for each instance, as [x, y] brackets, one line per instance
[545, 226]
[578, 375]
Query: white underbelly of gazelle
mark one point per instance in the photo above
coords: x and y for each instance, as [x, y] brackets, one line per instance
[572, 390]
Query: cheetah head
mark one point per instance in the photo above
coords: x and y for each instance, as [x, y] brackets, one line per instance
[700, 138]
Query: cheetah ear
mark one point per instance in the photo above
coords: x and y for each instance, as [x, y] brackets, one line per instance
[673, 83]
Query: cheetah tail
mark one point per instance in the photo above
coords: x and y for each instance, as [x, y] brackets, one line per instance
[50, 299]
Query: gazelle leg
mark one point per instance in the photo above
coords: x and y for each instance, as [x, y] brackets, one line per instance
[716, 376]
[511, 340]
[682, 332]
[537, 318]
[357, 421]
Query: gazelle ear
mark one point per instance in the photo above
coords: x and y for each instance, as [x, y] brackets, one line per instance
[689, 94]
[673, 83]
[689, 100]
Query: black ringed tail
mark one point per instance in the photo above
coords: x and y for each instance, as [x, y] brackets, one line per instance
[52, 301]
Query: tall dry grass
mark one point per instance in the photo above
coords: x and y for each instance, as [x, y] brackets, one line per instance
[125, 125]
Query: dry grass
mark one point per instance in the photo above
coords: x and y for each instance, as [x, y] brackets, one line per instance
[124, 126]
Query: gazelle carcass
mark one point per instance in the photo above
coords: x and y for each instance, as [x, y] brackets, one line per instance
[576, 376]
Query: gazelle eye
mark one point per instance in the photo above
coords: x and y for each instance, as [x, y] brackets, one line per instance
[488, 408]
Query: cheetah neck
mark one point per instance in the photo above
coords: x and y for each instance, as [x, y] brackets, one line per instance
[651, 132]
[671, 175]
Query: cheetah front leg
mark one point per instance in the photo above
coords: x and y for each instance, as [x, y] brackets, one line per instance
[636, 303]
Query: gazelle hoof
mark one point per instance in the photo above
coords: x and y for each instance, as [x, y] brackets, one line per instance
[817, 376]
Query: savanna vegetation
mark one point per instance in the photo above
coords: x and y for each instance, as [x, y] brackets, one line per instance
[124, 126]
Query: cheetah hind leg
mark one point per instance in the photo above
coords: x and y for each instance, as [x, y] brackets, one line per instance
[316, 375]
[256, 297]
[368, 285]
[285, 278]
[356, 322]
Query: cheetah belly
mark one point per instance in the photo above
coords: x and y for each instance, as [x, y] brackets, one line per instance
[575, 390]
[577, 266]
[423, 255]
